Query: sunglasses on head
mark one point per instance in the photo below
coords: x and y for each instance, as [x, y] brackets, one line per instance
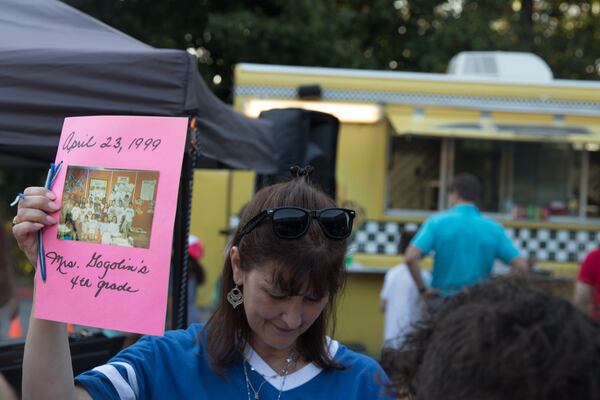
[293, 222]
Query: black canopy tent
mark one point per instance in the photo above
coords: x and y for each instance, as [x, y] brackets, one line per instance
[56, 61]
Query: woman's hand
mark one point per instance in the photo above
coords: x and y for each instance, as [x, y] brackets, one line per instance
[32, 216]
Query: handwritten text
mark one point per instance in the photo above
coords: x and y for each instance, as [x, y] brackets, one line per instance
[114, 143]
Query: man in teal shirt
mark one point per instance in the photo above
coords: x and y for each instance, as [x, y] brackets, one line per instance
[465, 243]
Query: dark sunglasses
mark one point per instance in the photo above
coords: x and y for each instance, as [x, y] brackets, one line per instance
[293, 222]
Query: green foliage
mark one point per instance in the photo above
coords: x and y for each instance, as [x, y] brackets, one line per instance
[12, 181]
[377, 34]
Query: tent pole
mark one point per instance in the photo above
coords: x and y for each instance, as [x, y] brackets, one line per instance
[180, 261]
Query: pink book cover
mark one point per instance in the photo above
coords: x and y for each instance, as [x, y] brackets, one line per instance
[108, 258]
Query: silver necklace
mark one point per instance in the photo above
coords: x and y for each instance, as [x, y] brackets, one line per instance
[284, 373]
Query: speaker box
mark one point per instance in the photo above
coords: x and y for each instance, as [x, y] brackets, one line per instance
[303, 137]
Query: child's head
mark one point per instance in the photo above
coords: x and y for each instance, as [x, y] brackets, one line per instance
[500, 340]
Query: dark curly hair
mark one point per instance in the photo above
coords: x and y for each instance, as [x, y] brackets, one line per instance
[501, 339]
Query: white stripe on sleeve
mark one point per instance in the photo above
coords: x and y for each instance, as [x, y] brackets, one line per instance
[131, 377]
[123, 389]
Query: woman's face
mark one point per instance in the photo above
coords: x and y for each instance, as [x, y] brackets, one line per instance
[276, 319]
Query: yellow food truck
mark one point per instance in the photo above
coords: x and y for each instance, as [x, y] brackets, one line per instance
[533, 141]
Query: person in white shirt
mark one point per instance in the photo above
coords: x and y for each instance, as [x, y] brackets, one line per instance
[128, 220]
[89, 209]
[400, 300]
[105, 233]
[85, 220]
[111, 210]
[77, 215]
[76, 212]
[120, 213]
[92, 230]
[109, 229]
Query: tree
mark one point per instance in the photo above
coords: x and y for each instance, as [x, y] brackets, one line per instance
[378, 34]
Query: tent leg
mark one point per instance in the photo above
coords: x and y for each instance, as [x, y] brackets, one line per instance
[180, 262]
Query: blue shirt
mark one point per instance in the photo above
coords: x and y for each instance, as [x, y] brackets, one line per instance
[176, 366]
[466, 244]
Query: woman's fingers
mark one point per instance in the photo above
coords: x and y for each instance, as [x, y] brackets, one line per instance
[22, 230]
[34, 215]
[40, 202]
[39, 191]
[25, 234]
[40, 198]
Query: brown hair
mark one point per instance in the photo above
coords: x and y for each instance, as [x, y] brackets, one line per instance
[313, 258]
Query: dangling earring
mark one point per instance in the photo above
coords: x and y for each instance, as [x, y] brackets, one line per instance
[235, 297]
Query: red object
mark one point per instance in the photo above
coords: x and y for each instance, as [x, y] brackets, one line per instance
[15, 330]
[195, 248]
[590, 275]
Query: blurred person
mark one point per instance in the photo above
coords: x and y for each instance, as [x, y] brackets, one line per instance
[500, 340]
[68, 206]
[89, 208]
[85, 227]
[109, 229]
[111, 210]
[465, 244]
[104, 209]
[267, 339]
[400, 300]
[587, 287]
[92, 227]
[76, 212]
[120, 213]
[128, 214]
[9, 305]
[196, 277]
[97, 210]
[71, 233]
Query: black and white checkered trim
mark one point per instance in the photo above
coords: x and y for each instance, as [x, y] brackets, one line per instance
[542, 244]
[375, 237]
[561, 245]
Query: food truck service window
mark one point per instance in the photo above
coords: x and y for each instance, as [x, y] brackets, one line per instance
[546, 179]
[486, 160]
[593, 194]
[413, 173]
[520, 180]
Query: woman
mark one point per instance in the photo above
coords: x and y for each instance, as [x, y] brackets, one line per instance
[267, 338]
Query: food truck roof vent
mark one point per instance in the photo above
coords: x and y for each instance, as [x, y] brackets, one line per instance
[506, 66]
